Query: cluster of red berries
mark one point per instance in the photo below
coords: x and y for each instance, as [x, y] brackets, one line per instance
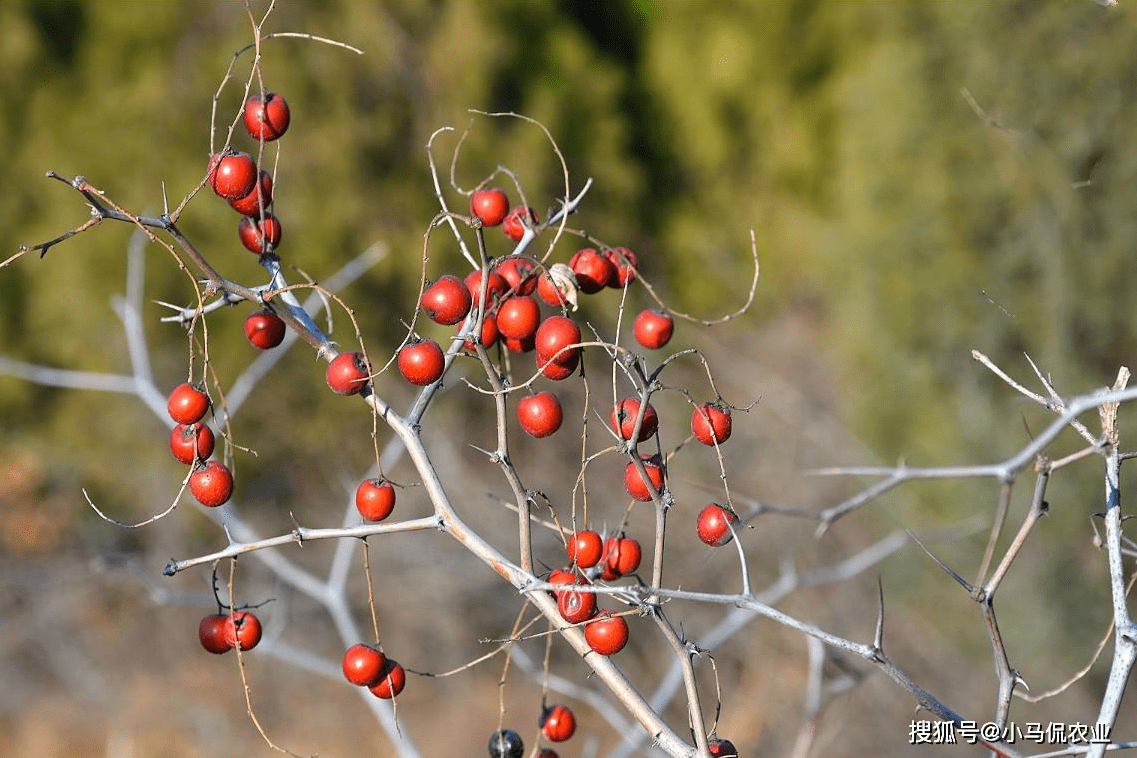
[710, 425]
[220, 633]
[192, 442]
[609, 559]
[235, 176]
[591, 270]
[367, 666]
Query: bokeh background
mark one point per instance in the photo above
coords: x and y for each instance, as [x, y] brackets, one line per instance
[924, 179]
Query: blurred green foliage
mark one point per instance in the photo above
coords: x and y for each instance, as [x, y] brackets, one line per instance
[924, 178]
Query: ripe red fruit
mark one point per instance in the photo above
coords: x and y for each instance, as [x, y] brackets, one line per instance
[653, 328]
[266, 116]
[375, 499]
[635, 484]
[422, 362]
[211, 633]
[540, 415]
[211, 483]
[722, 749]
[187, 404]
[447, 301]
[232, 175]
[607, 634]
[585, 548]
[489, 334]
[243, 629]
[547, 753]
[391, 680]
[519, 345]
[558, 723]
[264, 329]
[593, 270]
[710, 423]
[506, 743]
[515, 222]
[622, 556]
[490, 205]
[554, 335]
[558, 371]
[496, 286]
[363, 665]
[347, 373]
[252, 203]
[576, 606]
[518, 317]
[625, 262]
[624, 419]
[561, 576]
[260, 235]
[549, 291]
[191, 441]
[714, 523]
[519, 273]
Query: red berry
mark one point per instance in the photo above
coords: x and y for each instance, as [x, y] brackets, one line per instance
[363, 665]
[558, 371]
[496, 286]
[232, 175]
[266, 116]
[264, 329]
[585, 548]
[554, 336]
[625, 262]
[624, 419]
[187, 404]
[714, 523]
[710, 423]
[540, 415]
[593, 270]
[375, 499]
[548, 753]
[519, 344]
[653, 329]
[722, 749]
[515, 222]
[607, 634]
[447, 301]
[391, 681]
[519, 273]
[189, 442]
[622, 556]
[576, 606]
[244, 629]
[211, 483]
[260, 235]
[558, 723]
[518, 317]
[211, 633]
[489, 334]
[259, 197]
[549, 291]
[347, 373]
[635, 484]
[490, 205]
[421, 363]
[561, 576]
